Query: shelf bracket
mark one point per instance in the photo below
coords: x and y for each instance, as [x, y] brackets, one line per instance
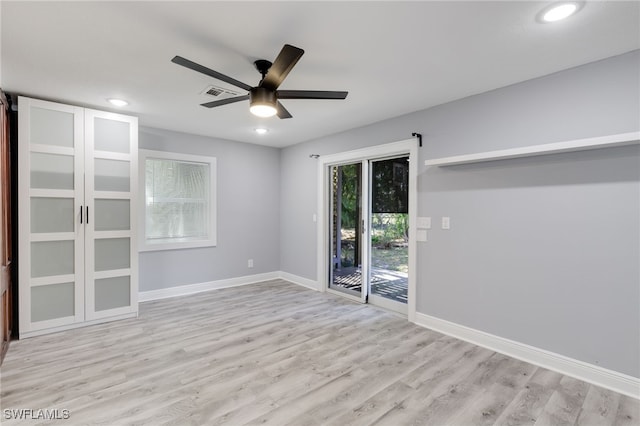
[419, 136]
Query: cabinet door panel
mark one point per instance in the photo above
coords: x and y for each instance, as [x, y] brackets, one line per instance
[52, 171]
[112, 215]
[112, 253]
[52, 214]
[52, 301]
[112, 175]
[51, 258]
[51, 127]
[112, 293]
[111, 136]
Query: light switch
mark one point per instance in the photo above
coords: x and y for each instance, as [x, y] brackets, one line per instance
[314, 217]
[424, 223]
[421, 235]
[446, 222]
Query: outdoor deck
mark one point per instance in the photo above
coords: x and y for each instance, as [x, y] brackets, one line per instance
[389, 284]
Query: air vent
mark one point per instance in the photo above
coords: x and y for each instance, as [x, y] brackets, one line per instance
[219, 92]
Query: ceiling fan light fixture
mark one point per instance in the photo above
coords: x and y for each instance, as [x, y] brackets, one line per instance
[262, 102]
[261, 110]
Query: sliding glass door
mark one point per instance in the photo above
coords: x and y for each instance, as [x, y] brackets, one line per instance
[369, 231]
[388, 218]
[346, 239]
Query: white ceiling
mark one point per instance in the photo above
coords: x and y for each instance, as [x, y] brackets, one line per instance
[392, 57]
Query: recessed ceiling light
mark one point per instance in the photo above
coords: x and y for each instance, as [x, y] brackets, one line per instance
[118, 102]
[558, 11]
[261, 130]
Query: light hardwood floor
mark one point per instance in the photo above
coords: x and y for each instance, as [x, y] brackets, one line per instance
[275, 353]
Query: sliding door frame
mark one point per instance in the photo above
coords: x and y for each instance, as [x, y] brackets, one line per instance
[405, 147]
[362, 229]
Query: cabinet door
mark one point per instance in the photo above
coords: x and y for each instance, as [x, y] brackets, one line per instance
[51, 195]
[111, 162]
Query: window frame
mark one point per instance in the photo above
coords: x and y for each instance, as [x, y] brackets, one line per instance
[211, 240]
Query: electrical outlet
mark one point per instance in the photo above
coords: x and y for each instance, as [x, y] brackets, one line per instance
[250, 263]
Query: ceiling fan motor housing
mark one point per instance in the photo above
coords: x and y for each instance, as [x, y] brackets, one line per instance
[262, 96]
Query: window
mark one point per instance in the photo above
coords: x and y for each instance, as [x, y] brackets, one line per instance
[179, 201]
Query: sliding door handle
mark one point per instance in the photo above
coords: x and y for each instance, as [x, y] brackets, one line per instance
[80, 215]
[87, 215]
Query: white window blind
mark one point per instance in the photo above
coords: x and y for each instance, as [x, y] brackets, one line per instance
[179, 200]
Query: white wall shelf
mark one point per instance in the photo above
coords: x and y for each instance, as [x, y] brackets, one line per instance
[545, 149]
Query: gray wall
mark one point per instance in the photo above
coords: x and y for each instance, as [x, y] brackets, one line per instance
[248, 214]
[542, 250]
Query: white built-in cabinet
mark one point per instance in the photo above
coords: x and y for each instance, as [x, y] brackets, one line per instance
[78, 262]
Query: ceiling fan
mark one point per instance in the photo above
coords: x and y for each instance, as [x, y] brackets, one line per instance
[264, 99]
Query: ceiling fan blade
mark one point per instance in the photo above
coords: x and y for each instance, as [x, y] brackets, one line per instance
[282, 112]
[310, 94]
[225, 101]
[287, 58]
[211, 73]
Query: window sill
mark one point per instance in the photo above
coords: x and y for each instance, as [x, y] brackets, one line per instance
[176, 245]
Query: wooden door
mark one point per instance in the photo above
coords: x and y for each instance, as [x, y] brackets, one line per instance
[5, 230]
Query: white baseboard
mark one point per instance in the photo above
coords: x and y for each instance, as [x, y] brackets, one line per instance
[295, 279]
[27, 334]
[590, 373]
[183, 290]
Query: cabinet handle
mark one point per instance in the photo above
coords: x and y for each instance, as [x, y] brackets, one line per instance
[87, 215]
[80, 215]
